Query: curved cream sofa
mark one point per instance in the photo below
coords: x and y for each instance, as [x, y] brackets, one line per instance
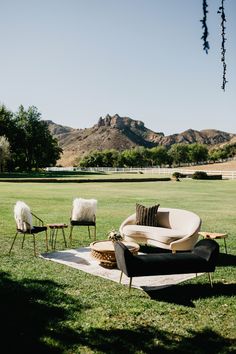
[177, 230]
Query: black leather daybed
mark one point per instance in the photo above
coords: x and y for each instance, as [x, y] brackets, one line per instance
[201, 259]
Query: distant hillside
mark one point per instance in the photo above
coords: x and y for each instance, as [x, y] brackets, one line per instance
[115, 132]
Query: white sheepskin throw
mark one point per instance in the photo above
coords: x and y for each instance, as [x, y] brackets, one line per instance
[84, 209]
[23, 216]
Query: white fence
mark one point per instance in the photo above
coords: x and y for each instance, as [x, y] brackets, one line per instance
[150, 170]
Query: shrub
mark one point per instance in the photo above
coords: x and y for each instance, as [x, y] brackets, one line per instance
[200, 175]
[178, 175]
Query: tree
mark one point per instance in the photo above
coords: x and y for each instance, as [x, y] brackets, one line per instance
[92, 159]
[198, 153]
[4, 152]
[36, 148]
[7, 126]
[159, 156]
[179, 153]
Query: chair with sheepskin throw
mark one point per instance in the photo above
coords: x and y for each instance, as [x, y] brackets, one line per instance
[25, 221]
[83, 214]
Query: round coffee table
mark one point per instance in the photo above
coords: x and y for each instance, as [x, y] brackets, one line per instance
[105, 253]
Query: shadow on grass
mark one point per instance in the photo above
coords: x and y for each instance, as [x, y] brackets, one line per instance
[226, 260]
[185, 294]
[151, 340]
[35, 316]
[32, 310]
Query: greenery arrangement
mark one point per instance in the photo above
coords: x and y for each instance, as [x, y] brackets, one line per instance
[114, 235]
[51, 308]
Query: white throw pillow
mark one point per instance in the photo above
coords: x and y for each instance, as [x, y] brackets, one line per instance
[84, 209]
[23, 216]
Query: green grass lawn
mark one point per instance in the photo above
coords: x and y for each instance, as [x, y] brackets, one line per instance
[50, 308]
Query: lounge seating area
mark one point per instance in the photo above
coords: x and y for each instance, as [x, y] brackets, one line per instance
[167, 228]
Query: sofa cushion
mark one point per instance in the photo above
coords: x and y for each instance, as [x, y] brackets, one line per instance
[146, 215]
[160, 234]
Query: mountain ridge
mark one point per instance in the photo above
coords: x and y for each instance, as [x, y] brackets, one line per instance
[115, 132]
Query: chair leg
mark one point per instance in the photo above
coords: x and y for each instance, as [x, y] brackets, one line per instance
[210, 279]
[46, 239]
[23, 240]
[225, 246]
[130, 284]
[13, 243]
[95, 233]
[89, 232]
[121, 273]
[34, 244]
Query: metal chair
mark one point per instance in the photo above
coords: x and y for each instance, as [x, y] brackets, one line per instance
[27, 223]
[83, 214]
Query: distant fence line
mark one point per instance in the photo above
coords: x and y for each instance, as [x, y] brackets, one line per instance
[156, 170]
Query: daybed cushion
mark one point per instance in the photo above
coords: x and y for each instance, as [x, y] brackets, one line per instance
[160, 234]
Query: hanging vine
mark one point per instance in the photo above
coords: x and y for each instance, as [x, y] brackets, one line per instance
[221, 11]
[206, 46]
[204, 37]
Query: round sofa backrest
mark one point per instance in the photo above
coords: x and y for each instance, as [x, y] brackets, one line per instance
[179, 219]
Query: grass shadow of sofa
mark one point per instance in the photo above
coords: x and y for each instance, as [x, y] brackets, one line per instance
[177, 230]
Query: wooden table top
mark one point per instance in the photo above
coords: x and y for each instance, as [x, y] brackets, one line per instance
[108, 246]
[212, 234]
[57, 226]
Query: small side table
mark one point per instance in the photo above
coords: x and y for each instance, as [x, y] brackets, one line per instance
[214, 235]
[53, 233]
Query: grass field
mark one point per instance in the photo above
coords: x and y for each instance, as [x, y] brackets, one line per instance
[50, 308]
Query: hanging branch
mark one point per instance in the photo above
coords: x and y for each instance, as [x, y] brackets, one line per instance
[223, 50]
[206, 45]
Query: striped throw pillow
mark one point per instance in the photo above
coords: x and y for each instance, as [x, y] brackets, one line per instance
[146, 216]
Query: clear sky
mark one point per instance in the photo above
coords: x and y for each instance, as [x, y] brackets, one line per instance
[78, 60]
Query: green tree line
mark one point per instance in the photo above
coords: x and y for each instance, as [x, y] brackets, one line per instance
[176, 155]
[25, 140]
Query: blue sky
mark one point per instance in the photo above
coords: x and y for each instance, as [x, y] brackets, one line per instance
[78, 60]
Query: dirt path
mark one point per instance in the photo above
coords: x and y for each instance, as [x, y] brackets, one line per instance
[220, 166]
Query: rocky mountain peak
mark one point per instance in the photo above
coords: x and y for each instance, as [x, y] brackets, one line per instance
[119, 122]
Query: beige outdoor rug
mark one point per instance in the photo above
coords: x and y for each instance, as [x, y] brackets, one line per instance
[81, 259]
